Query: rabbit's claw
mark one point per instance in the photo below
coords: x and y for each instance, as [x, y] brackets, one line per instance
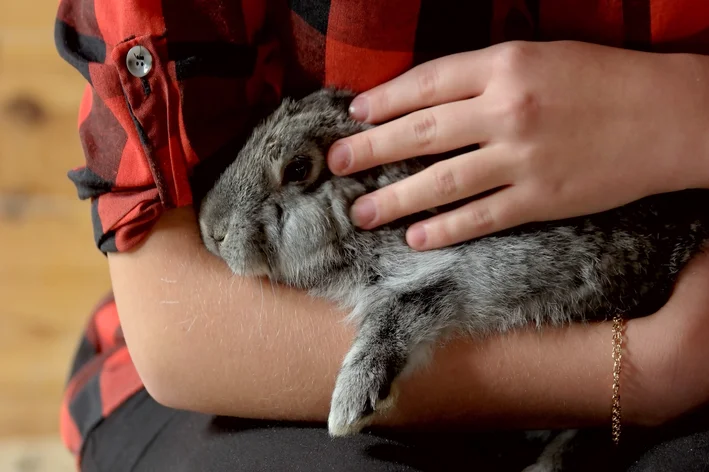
[360, 393]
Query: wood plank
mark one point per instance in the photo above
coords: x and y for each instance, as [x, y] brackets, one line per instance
[51, 275]
[29, 15]
[39, 102]
[50, 278]
[30, 66]
[41, 454]
[36, 158]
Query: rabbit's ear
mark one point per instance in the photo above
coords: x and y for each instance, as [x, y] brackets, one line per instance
[288, 107]
[328, 98]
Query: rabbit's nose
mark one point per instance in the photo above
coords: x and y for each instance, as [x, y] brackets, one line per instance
[218, 233]
[216, 238]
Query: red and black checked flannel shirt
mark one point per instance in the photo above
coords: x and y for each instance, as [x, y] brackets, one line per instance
[218, 65]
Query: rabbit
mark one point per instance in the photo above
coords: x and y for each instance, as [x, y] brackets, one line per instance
[278, 212]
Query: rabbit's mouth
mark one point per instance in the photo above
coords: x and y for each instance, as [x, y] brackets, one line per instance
[252, 271]
[254, 264]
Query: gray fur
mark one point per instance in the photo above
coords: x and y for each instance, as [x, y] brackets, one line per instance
[404, 301]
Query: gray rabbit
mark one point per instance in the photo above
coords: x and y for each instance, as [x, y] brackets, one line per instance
[278, 212]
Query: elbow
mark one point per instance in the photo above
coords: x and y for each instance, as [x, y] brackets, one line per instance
[165, 391]
[167, 362]
[177, 374]
[160, 377]
[178, 384]
[167, 375]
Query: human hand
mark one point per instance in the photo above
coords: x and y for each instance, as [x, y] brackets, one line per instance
[665, 356]
[564, 128]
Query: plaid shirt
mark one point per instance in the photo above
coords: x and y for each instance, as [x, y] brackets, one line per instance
[218, 66]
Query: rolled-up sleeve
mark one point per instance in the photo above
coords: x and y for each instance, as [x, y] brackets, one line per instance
[169, 85]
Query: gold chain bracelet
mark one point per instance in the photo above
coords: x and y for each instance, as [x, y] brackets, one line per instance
[617, 358]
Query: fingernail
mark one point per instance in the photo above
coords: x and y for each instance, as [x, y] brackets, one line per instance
[340, 157]
[364, 211]
[359, 108]
[416, 236]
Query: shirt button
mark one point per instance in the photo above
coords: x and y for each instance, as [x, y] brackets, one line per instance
[139, 61]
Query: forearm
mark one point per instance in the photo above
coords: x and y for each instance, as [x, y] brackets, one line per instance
[685, 84]
[560, 377]
[204, 340]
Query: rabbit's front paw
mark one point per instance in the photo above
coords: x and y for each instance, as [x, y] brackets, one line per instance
[360, 392]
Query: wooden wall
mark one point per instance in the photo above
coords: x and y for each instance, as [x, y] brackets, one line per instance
[50, 273]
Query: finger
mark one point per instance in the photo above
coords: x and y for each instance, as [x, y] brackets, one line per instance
[444, 182]
[691, 283]
[499, 211]
[443, 80]
[425, 132]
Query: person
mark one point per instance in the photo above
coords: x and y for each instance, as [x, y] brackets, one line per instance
[577, 107]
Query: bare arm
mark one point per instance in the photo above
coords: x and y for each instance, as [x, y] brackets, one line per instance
[204, 340]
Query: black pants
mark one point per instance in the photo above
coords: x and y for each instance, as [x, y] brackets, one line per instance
[144, 436]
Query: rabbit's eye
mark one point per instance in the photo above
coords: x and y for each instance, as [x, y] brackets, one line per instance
[297, 170]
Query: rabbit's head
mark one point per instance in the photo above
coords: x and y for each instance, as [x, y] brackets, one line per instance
[277, 210]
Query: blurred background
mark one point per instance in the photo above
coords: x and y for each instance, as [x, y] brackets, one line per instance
[50, 273]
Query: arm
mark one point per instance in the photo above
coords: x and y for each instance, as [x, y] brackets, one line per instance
[206, 341]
